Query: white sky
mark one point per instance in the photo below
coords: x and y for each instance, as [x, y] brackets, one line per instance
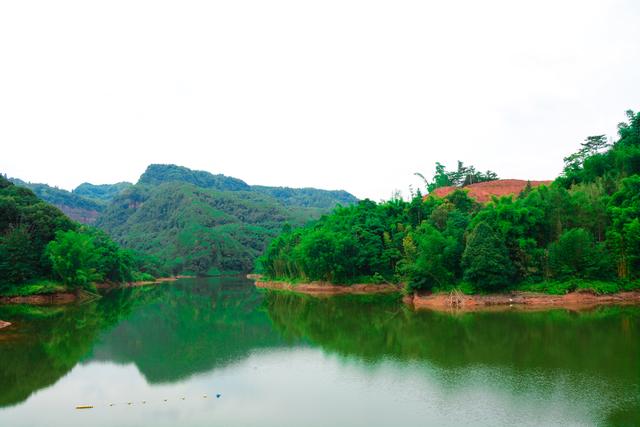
[346, 94]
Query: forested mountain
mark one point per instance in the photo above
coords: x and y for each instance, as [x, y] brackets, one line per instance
[584, 226]
[308, 197]
[101, 192]
[197, 222]
[84, 204]
[302, 197]
[75, 206]
[160, 174]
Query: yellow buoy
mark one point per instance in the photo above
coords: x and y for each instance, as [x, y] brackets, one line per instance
[84, 407]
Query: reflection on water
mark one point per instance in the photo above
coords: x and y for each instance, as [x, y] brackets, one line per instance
[286, 360]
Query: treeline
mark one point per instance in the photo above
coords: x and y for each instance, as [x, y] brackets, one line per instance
[586, 225]
[38, 242]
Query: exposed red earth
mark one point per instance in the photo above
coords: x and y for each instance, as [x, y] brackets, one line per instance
[580, 300]
[482, 192]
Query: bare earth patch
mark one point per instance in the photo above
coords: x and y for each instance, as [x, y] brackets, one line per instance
[519, 301]
[328, 289]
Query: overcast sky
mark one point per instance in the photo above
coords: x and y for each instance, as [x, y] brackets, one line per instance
[354, 95]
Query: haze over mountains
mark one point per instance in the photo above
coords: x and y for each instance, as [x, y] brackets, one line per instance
[192, 221]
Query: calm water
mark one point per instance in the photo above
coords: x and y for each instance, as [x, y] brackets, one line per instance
[285, 360]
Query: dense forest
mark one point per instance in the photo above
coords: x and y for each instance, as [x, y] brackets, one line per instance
[191, 221]
[582, 231]
[200, 223]
[38, 243]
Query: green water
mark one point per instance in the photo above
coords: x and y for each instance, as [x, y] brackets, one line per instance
[284, 360]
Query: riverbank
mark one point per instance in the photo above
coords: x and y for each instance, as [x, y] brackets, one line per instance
[61, 295]
[328, 289]
[445, 301]
[106, 286]
[519, 300]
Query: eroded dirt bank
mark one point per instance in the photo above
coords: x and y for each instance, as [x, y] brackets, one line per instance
[328, 289]
[141, 283]
[519, 300]
[41, 299]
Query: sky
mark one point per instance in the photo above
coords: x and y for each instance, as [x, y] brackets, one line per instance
[354, 95]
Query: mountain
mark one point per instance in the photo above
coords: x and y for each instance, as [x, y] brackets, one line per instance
[75, 206]
[102, 192]
[157, 174]
[84, 204]
[198, 222]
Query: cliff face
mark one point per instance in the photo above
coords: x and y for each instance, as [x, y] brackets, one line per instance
[483, 191]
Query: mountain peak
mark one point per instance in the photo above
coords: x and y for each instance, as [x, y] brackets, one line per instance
[160, 173]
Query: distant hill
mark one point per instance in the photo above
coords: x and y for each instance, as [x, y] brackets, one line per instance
[75, 206]
[102, 192]
[308, 197]
[198, 222]
[160, 174]
[483, 191]
[84, 204]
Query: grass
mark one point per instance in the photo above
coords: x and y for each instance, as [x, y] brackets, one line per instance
[38, 287]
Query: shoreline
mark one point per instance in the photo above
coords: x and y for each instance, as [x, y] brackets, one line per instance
[518, 300]
[160, 280]
[515, 300]
[328, 289]
[68, 297]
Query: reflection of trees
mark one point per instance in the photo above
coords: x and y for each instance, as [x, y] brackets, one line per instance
[190, 327]
[50, 341]
[604, 341]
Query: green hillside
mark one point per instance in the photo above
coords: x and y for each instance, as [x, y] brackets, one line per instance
[197, 222]
[75, 206]
[101, 192]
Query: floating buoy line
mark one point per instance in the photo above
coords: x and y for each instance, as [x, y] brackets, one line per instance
[142, 402]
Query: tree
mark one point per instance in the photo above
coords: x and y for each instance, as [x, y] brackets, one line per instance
[18, 259]
[574, 255]
[73, 258]
[485, 259]
[424, 264]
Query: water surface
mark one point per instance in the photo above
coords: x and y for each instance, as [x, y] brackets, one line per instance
[278, 359]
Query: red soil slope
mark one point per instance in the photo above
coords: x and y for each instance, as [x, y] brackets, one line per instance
[483, 191]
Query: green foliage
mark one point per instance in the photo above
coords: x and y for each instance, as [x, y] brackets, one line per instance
[307, 197]
[73, 259]
[26, 226]
[198, 223]
[160, 174]
[575, 254]
[462, 176]
[59, 197]
[39, 242]
[584, 227]
[485, 259]
[425, 263]
[102, 192]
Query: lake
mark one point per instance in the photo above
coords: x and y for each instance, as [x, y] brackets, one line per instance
[159, 355]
